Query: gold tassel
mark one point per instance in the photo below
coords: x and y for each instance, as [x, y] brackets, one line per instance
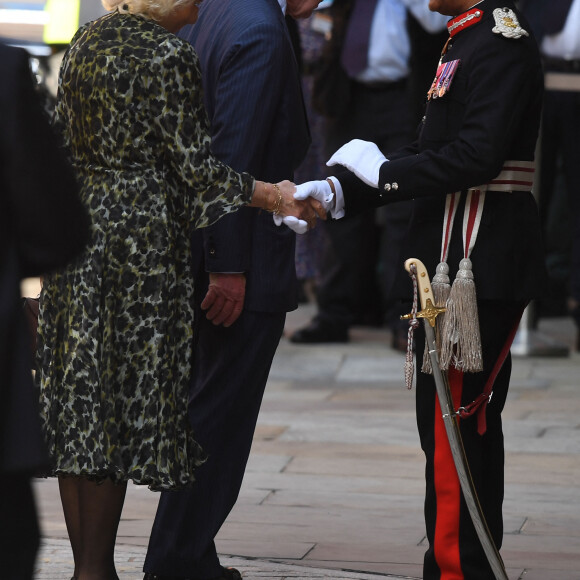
[441, 287]
[461, 341]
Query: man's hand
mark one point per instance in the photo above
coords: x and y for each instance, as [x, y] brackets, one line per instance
[224, 300]
[363, 158]
[318, 190]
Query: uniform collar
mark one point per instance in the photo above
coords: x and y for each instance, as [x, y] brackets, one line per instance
[465, 20]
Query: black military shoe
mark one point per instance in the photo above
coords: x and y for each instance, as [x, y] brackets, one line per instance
[230, 574]
[318, 331]
[227, 574]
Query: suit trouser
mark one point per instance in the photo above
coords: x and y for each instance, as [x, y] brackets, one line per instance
[455, 551]
[350, 270]
[560, 152]
[231, 367]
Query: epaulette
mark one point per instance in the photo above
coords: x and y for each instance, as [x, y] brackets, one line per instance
[507, 24]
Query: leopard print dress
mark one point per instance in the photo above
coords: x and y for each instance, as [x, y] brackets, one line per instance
[115, 327]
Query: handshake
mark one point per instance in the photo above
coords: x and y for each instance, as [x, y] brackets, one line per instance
[300, 205]
[317, 198]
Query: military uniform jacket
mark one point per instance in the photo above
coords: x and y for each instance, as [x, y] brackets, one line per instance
[489, 114]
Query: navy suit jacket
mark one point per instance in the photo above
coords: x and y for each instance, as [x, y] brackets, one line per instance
[258, 122]
[42, 226]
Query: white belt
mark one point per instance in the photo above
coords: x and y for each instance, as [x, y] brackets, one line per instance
[514, 176]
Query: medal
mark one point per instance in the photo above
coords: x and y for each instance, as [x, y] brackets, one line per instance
[443, 79]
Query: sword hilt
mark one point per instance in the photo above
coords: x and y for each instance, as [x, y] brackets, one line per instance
[428, 309]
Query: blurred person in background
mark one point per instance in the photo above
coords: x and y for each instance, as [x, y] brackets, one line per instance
[309, 41]
[556, 25]
[115, 327]
[369, 49]
[43, 225]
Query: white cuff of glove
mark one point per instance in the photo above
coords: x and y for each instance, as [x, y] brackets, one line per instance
[363, 158]
[295, 224]
[337, 211]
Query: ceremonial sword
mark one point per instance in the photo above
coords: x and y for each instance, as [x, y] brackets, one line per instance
[429, 313]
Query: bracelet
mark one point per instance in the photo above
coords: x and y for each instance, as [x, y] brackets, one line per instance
[278, 203]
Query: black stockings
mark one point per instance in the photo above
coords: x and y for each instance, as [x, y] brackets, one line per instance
[92, 513]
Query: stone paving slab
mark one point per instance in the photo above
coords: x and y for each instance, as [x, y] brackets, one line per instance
[335, 482]
[55, 563]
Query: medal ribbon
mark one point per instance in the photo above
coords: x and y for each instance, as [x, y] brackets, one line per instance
[443, 79]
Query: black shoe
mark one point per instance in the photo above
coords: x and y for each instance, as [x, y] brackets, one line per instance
[230, 574]
[227, 574]
[318, 331]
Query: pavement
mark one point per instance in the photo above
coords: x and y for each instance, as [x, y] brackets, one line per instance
[334, 486]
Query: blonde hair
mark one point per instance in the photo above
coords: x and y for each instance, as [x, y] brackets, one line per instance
[154, 9]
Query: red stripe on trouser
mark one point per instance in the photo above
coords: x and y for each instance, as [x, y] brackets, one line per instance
[447, 491]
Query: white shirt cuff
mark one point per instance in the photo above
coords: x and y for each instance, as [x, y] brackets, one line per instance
[337, 211]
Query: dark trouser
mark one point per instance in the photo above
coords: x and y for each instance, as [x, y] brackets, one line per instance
[354, 270]
[349, 291]
[19, 532]
[560, 157]
[231, 367]
[455, 551]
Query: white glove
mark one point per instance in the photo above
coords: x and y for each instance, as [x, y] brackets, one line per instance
[363, 158]
[299, 226]
[319, 190]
